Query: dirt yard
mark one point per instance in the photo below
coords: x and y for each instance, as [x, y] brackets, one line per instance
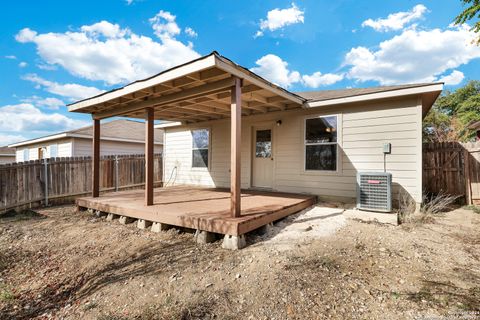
[63, 264]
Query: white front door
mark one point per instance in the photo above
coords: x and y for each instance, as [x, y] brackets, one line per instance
[262, 173]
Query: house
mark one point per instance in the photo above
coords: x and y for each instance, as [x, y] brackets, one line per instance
[119, 137]
[230, 128]
[7, 155]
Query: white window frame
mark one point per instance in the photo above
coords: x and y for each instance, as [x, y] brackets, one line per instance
[337, 167]
[208, 149]
[27, 153]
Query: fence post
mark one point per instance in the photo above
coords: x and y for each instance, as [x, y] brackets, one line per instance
[116, 172]
[46, 181]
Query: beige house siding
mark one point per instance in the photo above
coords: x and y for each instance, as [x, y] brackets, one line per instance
[83, 147]
[363, 129]
[76, 147]
[64, 149]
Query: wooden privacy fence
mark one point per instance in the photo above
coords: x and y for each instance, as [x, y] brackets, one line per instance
[24, 184]
[452, 168]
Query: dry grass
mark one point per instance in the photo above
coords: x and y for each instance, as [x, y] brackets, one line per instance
[432, 206]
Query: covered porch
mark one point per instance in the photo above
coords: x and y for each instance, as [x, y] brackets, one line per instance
[209, 88]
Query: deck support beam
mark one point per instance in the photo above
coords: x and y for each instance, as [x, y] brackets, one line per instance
[96, 159]
[235, 143]
[149, 156]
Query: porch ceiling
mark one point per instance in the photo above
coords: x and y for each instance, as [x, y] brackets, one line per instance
[194, 92]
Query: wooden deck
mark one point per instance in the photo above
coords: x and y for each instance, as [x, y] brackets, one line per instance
[202, 208]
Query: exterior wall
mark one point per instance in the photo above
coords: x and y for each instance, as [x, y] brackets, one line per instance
[363, 128]
[7, 159]
[64, 149]
[83, 147]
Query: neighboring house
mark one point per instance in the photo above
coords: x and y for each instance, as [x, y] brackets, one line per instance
[118, 137]
[475, 125]
[7, 155]
[306, 142]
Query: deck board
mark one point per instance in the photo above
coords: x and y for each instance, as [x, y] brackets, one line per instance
[202, 208]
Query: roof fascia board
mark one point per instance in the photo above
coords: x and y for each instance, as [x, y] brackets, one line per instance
[41, 139]
[375, 96]
[199, 65]
[168, 125]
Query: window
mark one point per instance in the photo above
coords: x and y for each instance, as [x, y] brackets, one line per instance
[25, 154]
[263, 145]
[321, 143]
[200, 144]
[53, 151]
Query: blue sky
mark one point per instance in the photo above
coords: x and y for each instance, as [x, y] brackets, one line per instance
[54, 52]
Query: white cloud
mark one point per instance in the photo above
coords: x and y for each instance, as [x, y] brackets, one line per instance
[453, 78]
[22, 64]
[72, 91]
[396, 21]
[25, 117]
[190, 32]
[105, 51]
[164, 25]
[11, 57]
[104, 28]
[279, 18]
[6, 138]
[413, 56]
[26, 35]
[274, 69]
[318, 79]
[50, 102]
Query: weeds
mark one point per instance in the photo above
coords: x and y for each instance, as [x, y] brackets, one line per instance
[6, 294]
[437, 204]
[432, 206]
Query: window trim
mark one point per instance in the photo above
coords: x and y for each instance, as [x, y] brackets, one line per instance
[338, 156]
[208, 149]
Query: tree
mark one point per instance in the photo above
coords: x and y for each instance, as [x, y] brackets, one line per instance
[451, 114]
[469, 13]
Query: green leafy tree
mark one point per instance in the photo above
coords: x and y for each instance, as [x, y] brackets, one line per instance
[471, 12]
[451, 114]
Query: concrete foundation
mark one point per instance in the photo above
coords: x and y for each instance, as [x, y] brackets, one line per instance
[126, 220]
[99, 213]
[264, 229]
[203, 237]
[157, 227]
[143, 224]
[234, 242]
[112, 216]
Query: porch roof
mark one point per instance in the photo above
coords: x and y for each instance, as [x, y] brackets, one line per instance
[195, 91]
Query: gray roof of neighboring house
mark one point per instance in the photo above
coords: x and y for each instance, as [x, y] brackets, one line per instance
[121, 129]
[344, 93]
[118, 130]
[4, 151]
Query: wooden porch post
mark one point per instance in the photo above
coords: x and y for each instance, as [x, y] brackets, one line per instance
[235, 143]
[96, 159]
[149, 157]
